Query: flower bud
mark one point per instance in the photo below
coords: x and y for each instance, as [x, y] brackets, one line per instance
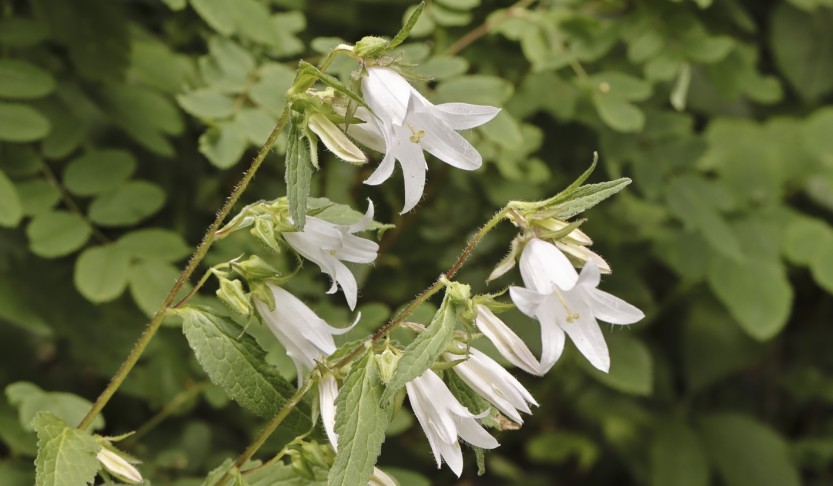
[232, 294]
[118, 466]
[334, 139]
[386, 364]
[265, 232]
[370, 46]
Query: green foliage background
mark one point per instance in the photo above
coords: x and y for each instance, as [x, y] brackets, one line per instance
[123, 125]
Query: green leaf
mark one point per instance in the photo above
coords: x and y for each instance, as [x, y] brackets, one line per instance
[154, 244]
[341, 214]
[618, 113]
[11, 210]
[99, 171]
[101, 273]
[757, 293]
[30, 399]
[206, 104]
[816, 134]
[270, 89]
[22, 80]
[56, 233]
[219, 14]
[36, 196]
[802, 43]
[127, 205]
[21, 123]
[223, 145]
[804, 238]
[146, 115]
[677, 457]
[622, 86]
[361, 419]
[298, 176]
[746, 452]
[822, 267]
[631, 365]
[688, 199]
[66, 456]
[587, 196]
[234, 362]
[478, 89]
[150, 281]
[423, 351]
[406, 29]
[19, 160]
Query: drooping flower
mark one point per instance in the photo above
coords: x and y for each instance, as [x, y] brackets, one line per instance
[565, 302]
[118, 466]
[509, 344]
[328, 244]
[305, 336]
[492, 382]
[407, 123]
[443, 419]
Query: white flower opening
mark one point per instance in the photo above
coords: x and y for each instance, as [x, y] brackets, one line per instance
[404, 123]
[305, 336]
[328, 244]
[565, 302]
[443, 419]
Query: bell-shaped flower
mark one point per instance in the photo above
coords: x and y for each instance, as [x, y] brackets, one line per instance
[492, 382]
[443, 419]
[408, 123]
[509, 344]
[118, 466]
[565, 302]
[328, 244]
[305, 336]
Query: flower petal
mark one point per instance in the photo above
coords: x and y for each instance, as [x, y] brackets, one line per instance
[585, 333]
[413, 171]
[327, 392]
[462, 116]
[612, 309]
[527, 301]
[444, 143]
[474, 433]
[509, 344]
[543, 267]
[365, 221]
[552, 336]
[347, 282]
[386, 93]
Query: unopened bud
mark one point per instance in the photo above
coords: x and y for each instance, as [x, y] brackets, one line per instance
[255, 268]
[232, 294]
[335, 140]
[265, 232]
[386, 363]
[118, 466]
[370, 46]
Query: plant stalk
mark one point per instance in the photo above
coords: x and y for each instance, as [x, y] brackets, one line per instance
[196, 259]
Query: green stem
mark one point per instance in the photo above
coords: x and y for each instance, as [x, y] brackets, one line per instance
[269, 429]
[196, 259]
[430, 291]
[177, 401]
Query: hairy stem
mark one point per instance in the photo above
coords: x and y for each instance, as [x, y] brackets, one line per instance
[196, 259]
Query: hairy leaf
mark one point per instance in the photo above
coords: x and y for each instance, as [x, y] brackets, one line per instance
[66, 456]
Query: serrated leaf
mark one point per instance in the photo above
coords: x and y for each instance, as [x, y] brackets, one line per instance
[22, 80]
[11, 210]
[757, 293]
[31, 399]
[687, 200]
[677, 457]
[101, 273]
[56, 233]
[587, 196]
[406, 29]
[631, 366]
[298, 176]
[127, 205]
[361, 419]
[154, 244]
[21, 123]
[746, 452]
[423, 351]
[98, 171]
[234, 362]
[66, 456]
